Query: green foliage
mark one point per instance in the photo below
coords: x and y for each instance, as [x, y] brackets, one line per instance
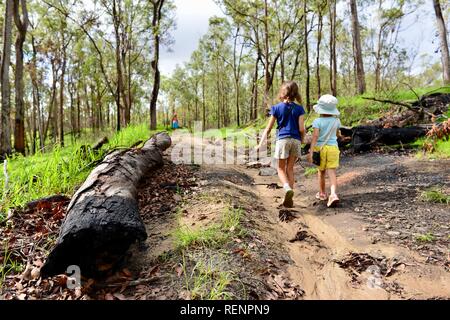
[310, 171]
[436, 195]
[213, 235]
[8, 265]
[60, 171]
[206, 281]
[355, 109]
[429, 237]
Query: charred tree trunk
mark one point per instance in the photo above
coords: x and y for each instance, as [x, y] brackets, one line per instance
[364, 138]
[103, 217]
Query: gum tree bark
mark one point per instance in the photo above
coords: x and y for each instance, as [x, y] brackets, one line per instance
[156, 23]
[444, 43]
[22, 25]
[103, 218]
[360, 75]
[5, 126]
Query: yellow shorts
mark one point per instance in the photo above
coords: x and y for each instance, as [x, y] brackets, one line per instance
[329, 157]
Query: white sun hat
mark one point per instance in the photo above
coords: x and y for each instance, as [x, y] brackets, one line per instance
[327, 104]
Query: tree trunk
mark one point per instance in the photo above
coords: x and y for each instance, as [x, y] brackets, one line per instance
[103, 217]
[445, 56]
[78, 112]
[119, 88]
[37, 95]
[203, 101]
[61, 93]
[360, 75]
[156, 22]
[333, 59]
[254, 104]
[308, 80]
[267, 60]
[22, 25]
[5, 129]
[319, 41]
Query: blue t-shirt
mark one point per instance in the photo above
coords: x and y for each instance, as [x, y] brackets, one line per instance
[287, 121]
[325, 124]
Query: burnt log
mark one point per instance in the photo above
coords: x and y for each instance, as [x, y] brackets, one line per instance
[103, 219]
[364, 138]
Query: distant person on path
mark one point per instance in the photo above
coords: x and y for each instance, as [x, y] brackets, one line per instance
[324, 140]
[291, 130]
[175, 124]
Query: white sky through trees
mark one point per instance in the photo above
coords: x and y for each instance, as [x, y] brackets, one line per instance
[192, 23]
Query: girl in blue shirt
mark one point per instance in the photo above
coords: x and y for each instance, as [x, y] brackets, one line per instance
[291, 130]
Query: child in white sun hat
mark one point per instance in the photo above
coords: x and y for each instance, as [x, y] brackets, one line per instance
[324, 140]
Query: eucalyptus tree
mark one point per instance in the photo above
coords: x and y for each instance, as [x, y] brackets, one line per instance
[21, 22]
[5, 129]
[445, 56]
[161, 23]
[357, 48]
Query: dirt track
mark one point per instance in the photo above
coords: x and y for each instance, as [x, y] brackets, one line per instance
[364, 249]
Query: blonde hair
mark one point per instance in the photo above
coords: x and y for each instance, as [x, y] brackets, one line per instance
[289, 91]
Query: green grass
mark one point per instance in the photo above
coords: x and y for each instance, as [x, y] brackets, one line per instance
[61, 170]
[442, 149]
[207, 282]
[8, 265]
[435, 195]
[429, 237]
[211, 236]
[310, 171]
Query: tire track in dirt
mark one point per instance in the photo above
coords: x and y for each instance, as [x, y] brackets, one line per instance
[327, 237]
[315, 268]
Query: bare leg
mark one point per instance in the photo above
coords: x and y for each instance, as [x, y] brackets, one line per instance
[282, 171]
[333, 180]
[322, 181]
[290, 170]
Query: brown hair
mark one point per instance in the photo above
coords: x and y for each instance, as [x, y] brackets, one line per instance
[289, 91]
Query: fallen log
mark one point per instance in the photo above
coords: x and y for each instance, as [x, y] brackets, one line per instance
[364, 138]
[103, 218]
[100, 144]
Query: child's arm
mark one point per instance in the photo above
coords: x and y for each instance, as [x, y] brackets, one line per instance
[313, 144]
[301, 126]
[266, 131]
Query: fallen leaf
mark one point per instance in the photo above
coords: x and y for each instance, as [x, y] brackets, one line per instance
[38, 263]
[109, 296]
[127, 273]
[153, 271]
[179, 271]
[22, 296]
[120, 296]
[78, 293]
[35, 273]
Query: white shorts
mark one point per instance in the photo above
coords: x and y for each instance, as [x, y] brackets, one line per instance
[287, 147]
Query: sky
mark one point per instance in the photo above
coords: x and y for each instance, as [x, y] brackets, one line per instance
[192, 23]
